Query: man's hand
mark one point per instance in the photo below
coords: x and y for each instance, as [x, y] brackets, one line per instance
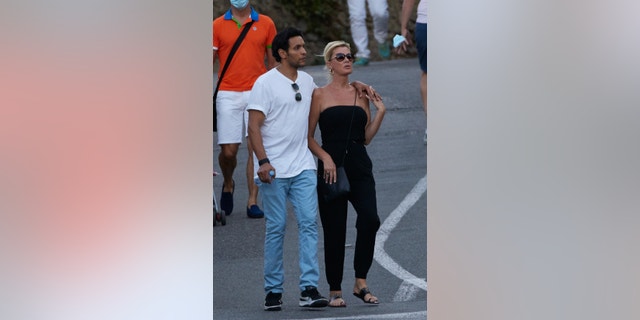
[402, 48]
[366, 91]
[266, 173]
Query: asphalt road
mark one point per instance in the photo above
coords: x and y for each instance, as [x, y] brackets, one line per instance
[398, 274]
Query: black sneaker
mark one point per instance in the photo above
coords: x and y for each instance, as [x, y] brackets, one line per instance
[273, 301]
[310, 297]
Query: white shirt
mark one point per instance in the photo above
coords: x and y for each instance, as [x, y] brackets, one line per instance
[422, 12]
[284, 131]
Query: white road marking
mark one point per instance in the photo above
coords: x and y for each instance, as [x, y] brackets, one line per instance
[385, 230]
[403, 315]
[411, 283]
[406, 292]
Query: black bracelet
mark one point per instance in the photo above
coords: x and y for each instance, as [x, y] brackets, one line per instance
[263, 161]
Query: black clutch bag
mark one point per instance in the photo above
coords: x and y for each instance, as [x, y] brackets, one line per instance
[340, 188]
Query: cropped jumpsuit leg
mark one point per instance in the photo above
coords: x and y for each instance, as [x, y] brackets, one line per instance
[333, 216]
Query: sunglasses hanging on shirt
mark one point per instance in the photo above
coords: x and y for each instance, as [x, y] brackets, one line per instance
[297, 89]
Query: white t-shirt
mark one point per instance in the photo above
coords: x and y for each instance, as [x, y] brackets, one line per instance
[284, 132]
[422, 12]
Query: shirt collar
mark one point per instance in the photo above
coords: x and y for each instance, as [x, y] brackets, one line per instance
[254, 15]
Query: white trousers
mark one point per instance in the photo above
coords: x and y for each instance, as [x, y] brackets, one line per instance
[357, 17]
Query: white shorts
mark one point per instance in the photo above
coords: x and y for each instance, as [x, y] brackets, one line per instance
[233, 118]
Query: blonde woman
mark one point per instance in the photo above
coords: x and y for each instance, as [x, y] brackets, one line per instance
[346, 126]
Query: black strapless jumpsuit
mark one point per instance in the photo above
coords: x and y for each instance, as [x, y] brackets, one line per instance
[334, 128]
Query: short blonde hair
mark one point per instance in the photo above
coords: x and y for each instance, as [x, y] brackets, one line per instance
[328, 49]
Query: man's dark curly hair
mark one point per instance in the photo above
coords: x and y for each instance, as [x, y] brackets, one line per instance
[281, 41]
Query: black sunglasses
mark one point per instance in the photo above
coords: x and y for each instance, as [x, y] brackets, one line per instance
[297, 89]
[340, 57]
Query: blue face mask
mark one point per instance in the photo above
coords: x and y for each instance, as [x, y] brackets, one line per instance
[240, 4]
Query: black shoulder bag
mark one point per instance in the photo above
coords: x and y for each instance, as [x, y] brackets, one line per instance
[224, 69]
[332, 191]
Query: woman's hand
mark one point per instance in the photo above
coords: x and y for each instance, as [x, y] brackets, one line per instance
[379, 105]
[329, 170]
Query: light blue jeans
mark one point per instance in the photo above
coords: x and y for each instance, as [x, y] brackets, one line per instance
[301, 191]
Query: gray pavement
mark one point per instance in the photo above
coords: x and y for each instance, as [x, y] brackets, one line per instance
[398, 274]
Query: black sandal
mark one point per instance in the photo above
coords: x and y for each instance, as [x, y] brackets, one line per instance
[364, 292]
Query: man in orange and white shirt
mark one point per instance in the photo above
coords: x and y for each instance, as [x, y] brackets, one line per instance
[247, 64]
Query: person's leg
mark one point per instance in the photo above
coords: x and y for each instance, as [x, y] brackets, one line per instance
[423, 92]
[379, 10]
[228, 162]
[358, 23]
[274, 199]
[230, 107]
[421, 45]
[363, 199]
[253, 210]
[333, 216]
[367, 224]
[305, 205]
[252, 200]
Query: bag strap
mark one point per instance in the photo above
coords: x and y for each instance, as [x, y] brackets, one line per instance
[346, 147]
[233, 51]
[226, 64]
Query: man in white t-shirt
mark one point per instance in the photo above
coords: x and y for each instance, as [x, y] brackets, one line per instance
[278, 122]
[278, 107]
